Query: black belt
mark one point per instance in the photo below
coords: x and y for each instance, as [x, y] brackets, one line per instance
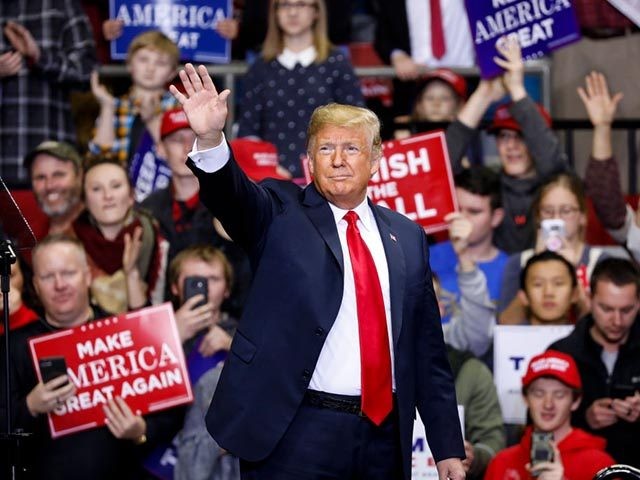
[333, 401]
[602, 33]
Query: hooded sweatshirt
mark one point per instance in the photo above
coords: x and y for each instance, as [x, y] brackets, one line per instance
[582, 456]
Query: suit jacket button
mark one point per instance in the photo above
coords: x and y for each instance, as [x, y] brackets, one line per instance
[306, 374]
[319, 331]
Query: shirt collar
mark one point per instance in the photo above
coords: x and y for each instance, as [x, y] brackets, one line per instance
[364, 214]
[288, 58]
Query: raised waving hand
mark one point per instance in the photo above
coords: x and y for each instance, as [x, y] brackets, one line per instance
[206, 109]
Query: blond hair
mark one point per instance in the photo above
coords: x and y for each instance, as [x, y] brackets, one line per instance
[274, 41]
[154, 40]
[348, 116]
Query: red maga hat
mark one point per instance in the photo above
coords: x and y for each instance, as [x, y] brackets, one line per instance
[451, 78]
[502, 118]
[258, 159]
[553, 364]
[173, 120]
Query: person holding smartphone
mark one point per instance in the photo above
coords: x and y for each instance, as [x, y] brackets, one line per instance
[560, 211]
[201, 278]
[606, 347]
[61, 277]
[551, 448]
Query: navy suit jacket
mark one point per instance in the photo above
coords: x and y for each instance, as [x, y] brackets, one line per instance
[292, 241]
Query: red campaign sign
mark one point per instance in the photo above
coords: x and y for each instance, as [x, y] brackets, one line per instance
[415, 179]
[137, 356]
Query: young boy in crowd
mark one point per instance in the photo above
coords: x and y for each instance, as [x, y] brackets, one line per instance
[548, 288]
[552, 389]
[129, 126]
[441, 94]
[471, 236]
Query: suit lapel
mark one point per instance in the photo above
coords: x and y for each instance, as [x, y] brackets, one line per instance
[397, 269]
[320, 214]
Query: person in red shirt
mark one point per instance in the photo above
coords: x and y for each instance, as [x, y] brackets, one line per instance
[19, 313]
[552, 389]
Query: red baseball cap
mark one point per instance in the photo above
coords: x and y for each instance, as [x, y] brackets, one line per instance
[258, 159]
[553, 364]
[455, 81]
[502, 118]
[173, 120]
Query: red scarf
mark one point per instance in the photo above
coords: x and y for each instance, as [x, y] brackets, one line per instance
[105, 254]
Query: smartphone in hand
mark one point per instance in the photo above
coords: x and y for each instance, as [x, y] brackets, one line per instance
[194, 285]
[541, 448]
[553, 233]
[52, 367]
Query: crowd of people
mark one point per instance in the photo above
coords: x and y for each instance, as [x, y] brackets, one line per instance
[129, 220]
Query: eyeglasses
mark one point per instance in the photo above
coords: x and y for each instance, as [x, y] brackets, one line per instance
[563, 211]
[295, 5]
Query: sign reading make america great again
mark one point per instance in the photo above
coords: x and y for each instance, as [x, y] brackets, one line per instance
[415, 179]
[189, 23]
[540, 25]
[136, 356]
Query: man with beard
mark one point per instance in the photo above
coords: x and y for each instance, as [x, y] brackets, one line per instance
[56, 179]
[606, 347]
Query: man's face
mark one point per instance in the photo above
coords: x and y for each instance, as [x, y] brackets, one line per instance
[213, 271]
[56, 184]
[477, 209]
[514, 154]
[176, 146]
[61, 278]
[438, 103]
[614, 310]
[549, 292]
[550, 404]
[341, 162]
[150, 69]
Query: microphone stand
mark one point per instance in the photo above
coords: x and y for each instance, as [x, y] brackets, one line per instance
[12, 441]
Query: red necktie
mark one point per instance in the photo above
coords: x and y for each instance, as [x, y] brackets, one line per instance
[437, 34]
[375, 360]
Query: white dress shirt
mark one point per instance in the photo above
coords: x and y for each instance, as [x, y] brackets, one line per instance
[457, 34]
[338, 367]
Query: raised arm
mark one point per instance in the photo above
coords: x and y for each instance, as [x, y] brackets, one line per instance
[602, 178]
[461, 131]
[540, 139]
[472, 328]
[244, 208]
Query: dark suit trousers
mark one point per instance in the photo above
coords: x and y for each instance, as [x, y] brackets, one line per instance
[327, 444]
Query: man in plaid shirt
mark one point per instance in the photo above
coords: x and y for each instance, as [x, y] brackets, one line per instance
[47, 48]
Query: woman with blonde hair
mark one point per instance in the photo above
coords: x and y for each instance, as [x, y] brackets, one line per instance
[297, 71]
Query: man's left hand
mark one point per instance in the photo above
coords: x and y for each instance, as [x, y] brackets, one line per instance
[450, 469]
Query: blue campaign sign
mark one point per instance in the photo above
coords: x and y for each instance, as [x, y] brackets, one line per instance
[189, 23]
[541, 26]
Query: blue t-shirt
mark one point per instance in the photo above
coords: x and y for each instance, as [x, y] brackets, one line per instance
[443, 262]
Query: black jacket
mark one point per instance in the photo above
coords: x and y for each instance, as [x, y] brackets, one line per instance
[622, 437]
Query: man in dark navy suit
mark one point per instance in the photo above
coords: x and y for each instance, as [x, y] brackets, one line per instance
[340, 339]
